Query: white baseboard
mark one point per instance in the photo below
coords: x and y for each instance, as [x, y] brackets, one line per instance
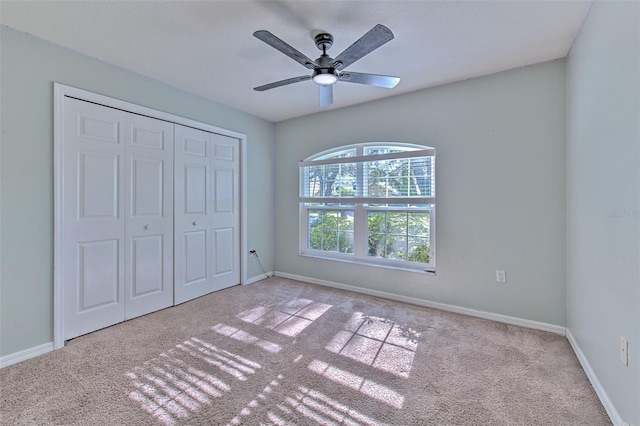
[536, 325]
[26, 354]
[256, 278]
[597, 386]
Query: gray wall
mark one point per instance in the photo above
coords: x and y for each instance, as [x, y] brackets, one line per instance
[500, 174]
[603, 198]
[28, 69]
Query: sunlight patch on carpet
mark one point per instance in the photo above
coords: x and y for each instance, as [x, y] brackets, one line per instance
[232, 364]
[261, 398]
[243, 336]
[289, 317]
[175, 384]
[317, 407]
[350, 380]
[377, 342]
[326, 410]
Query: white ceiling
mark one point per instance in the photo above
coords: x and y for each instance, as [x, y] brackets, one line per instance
[207, 47]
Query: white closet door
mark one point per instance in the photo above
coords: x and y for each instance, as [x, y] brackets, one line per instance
[206, 219]
[193, 191]
[149, 216]
[226, 211]
[117, 232]
[93, 217]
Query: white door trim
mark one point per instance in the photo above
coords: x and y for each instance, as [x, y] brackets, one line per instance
[60, 92]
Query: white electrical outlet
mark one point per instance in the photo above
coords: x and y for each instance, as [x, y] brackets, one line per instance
[501, 276]
[624, 350]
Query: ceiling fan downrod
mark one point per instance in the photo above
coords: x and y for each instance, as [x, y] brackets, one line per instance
[325, 73]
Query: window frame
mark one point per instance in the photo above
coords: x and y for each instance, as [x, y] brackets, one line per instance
[361, 206]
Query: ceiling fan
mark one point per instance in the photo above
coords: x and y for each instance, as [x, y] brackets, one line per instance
[327, 70]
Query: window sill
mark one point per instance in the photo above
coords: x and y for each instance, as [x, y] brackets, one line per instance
[417, 269]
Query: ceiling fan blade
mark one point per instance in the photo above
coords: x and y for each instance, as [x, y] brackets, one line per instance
[285, 48]
[371, 79]
[376, 37]
[282, 83]
[325, 95]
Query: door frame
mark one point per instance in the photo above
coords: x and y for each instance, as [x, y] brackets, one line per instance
[60, 92]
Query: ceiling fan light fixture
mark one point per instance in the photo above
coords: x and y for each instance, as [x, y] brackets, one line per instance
[325, 78]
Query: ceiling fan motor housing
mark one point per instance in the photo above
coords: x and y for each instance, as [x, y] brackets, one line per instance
[323, 41]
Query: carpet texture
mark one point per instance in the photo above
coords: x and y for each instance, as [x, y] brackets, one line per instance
[283, 352]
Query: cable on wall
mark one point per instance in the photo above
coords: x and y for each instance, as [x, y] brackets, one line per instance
[254, 253]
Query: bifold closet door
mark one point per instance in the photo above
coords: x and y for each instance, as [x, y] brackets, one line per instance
[93, 233]
[225, 221]
[193, 192]
[149, 216]
[207, 213]
[117, 214]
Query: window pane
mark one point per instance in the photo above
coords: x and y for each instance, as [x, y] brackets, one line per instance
[418, 224]
[419, 250]
[420, 177]
[380, 178]
[381, 150]
[329, 180]
[377, 227]
[404, 177]
[396, 247]
[330, 230]
[337, 205]
[346, 220]
[345, 242]
[329, 240]
[398, 206]
[397, 223]
[399, 235]
[351, 152]
[377, 245]
[314, 229]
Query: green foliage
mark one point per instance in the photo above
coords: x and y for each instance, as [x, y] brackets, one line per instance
[420, 253]
[376, 238]
[399, 235]
[347, 192]
[331, 231]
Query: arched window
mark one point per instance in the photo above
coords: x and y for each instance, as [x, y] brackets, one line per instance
[370, 203]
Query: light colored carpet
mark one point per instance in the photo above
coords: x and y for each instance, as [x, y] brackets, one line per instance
[283, 352]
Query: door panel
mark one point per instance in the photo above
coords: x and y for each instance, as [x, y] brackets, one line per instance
[195, 260]
[225, 221]
[97, 185]
[92, 126]
[193, 264]
[148, 188]
[149, 218]
[195, 189]
[92, 220]
[148, 265]
[225, 191]
[98, 275]
[194, 143]
[224, 250]
[148, 137]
